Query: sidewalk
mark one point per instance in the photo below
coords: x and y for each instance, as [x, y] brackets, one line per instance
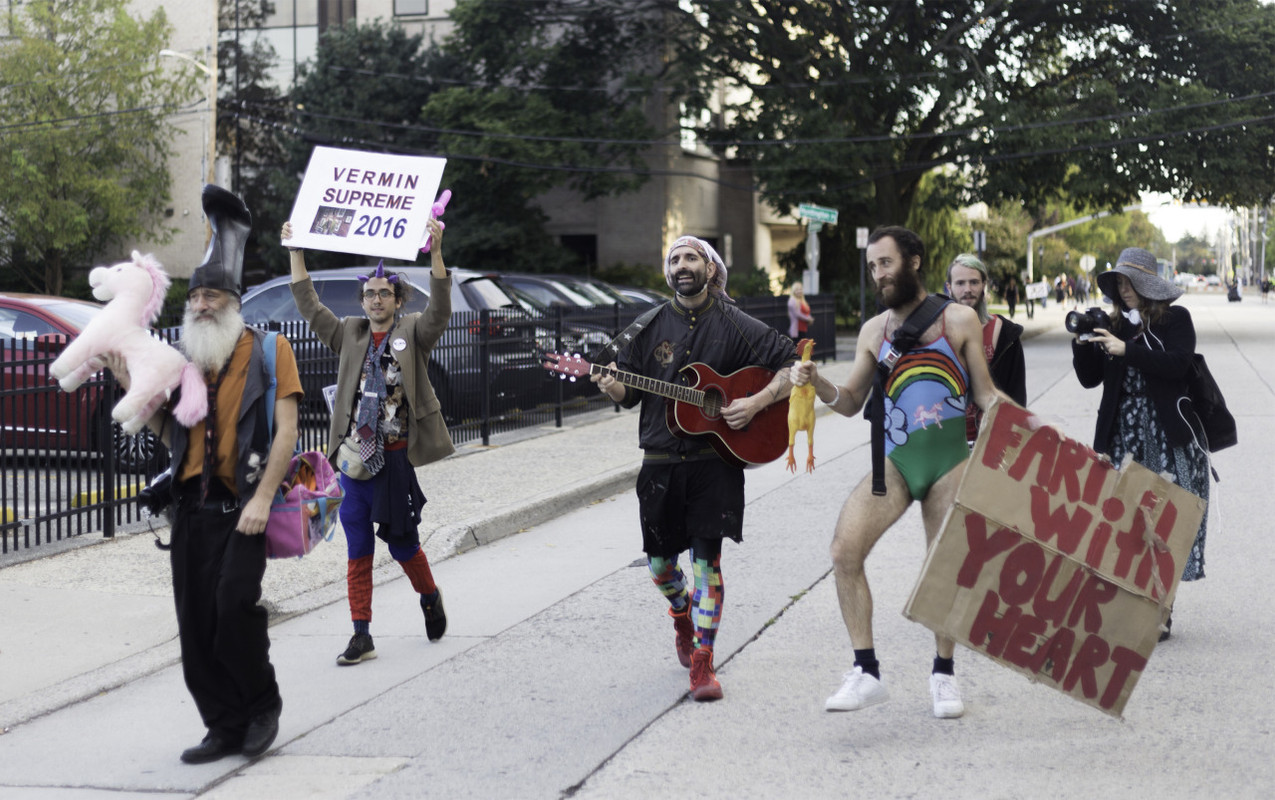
[95, 617]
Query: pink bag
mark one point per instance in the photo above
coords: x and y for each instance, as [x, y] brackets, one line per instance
[304, 511]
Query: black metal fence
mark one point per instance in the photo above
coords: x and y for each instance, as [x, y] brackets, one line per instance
[66, 469]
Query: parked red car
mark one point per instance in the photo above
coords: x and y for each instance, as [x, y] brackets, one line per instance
[37, 416]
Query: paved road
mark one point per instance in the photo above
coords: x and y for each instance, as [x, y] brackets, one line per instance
[557, 677]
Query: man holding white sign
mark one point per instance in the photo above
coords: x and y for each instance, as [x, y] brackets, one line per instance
[386, 421]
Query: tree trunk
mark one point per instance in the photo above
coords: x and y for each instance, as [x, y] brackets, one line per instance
[53, 273]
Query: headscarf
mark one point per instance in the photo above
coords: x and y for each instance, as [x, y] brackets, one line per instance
[717, 283]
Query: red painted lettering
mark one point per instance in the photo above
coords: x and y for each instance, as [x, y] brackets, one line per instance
[1055, 654]
[1072, 458]
[1069, 530]
[1126, 661]
[983, 548]
[1006, 432]
[1054, 611]
[1044, 443]
[1099, 471]
[1095, 592]
[990, 630]
[1021, 573]
[1025, 640]
[1092, 654]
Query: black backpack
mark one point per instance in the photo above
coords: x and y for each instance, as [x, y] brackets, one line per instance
[1212, 419]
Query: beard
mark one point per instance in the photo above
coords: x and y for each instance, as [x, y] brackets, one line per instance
[901, 290]
[697, 284]
[210, 341]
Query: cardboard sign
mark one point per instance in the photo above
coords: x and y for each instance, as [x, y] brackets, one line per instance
[1055, 563]
[1037, 291]
[373, 204]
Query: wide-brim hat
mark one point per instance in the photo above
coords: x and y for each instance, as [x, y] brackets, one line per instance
[1143, 271]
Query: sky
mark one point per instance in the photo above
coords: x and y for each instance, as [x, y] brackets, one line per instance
[1177, 220]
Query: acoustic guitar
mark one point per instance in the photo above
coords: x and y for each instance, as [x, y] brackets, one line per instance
[695, 408]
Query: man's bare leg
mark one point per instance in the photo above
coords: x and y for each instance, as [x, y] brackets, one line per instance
[944, 692]
[864, 518]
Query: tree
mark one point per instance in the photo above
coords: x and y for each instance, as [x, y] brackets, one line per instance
[851, 104]
[252, 124]
[85, 134]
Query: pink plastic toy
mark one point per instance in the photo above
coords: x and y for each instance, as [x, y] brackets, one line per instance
[436, 211]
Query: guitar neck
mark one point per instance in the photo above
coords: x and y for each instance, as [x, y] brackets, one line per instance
[673, 391]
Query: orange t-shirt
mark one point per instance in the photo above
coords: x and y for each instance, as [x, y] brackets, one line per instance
[229, 399]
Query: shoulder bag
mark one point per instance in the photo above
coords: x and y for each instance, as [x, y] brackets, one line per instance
[304, 510]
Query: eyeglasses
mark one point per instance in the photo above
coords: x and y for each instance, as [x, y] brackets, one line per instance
[372, 294]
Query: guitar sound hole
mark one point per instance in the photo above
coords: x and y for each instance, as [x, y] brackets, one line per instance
[713, 404]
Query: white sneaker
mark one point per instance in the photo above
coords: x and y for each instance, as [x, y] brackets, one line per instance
[859, 690]
[946, 695]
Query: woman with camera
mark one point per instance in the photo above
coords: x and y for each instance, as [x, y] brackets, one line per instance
[1141, 361]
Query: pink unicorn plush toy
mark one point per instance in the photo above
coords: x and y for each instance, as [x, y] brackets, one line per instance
[134, 293]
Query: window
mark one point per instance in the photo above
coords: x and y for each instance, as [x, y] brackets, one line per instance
[411, 8]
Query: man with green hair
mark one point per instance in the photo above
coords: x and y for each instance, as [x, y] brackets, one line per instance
[1002, 339]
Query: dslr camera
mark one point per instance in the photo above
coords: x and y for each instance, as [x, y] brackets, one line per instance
[1083, 323]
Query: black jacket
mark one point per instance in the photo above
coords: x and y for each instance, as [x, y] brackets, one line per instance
[1009, 372]
[1163, 356]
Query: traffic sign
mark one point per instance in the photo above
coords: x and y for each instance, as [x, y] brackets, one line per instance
[817, 213]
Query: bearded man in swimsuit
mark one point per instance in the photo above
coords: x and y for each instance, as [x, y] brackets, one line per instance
[925, 398]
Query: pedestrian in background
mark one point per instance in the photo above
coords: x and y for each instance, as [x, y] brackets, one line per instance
[689, 497]
[1141, 364]
[386, 421]
[1002, 339]
[1011, 295]
[923, 457]
[227, 470]
[799, 317]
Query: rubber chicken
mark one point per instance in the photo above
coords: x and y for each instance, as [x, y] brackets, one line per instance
[801, 413]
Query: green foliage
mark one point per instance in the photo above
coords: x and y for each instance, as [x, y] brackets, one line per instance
[85, 134]
[851, 104]
[744, 281]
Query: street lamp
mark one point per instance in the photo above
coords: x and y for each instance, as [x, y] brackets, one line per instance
[209, 159]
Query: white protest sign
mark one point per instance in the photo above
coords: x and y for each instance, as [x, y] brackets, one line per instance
[373, 204]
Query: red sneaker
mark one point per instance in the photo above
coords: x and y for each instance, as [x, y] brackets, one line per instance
[685, 641]
[704, 685]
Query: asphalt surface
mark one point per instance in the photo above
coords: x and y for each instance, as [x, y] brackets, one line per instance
[557, 676]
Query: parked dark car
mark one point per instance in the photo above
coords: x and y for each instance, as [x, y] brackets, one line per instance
[640, 295]
[550, 290]
[513, 340]
[37, 416]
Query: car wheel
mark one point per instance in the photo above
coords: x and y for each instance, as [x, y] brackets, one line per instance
[133, 453]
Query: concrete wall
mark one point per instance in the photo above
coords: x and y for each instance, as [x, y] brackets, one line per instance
[195, 35]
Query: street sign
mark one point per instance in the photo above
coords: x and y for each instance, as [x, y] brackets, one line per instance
[817, 213]
[861, 237]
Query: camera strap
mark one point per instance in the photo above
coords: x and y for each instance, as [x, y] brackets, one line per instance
[905, 338]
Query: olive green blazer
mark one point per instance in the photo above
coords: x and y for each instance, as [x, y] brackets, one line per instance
[411, 341]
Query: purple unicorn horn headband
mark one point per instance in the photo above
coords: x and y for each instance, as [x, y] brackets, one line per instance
[380, 273]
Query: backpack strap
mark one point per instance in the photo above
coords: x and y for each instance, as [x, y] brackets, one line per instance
[905, 338]
[269, 350]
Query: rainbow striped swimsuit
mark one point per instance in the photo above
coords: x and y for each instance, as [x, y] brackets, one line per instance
[925, 400]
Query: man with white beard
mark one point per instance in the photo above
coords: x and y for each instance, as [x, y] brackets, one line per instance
[226, 471]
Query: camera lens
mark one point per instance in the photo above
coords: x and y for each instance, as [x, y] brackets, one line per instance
[1075, 322]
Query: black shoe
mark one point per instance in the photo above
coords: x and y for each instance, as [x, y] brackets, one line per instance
[213, 747]
[435, 617]
[1168, 629]
[260, 734]
[359, 649]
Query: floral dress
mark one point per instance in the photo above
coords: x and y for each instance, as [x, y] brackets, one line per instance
[1137, 431]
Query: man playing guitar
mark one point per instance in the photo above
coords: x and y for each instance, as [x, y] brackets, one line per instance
[689, 497]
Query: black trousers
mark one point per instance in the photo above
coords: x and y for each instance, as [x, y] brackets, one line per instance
[225, 648]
